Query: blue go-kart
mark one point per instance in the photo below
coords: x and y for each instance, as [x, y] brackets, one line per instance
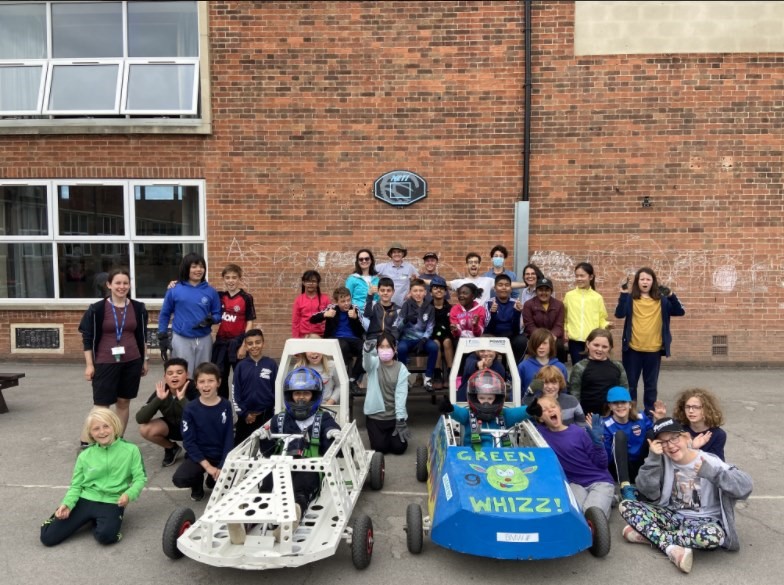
[510, 502]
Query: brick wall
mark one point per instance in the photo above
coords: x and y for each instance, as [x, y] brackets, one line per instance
[313, 101]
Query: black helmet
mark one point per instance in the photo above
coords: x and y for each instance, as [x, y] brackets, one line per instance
[490, 383]
[302, 380]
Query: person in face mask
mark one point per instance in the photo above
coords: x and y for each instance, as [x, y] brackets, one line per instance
[498, 256]
[387, 391]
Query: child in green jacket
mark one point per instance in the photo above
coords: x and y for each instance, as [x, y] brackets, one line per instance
[107, 476]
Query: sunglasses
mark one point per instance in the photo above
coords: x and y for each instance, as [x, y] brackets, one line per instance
[365, 259]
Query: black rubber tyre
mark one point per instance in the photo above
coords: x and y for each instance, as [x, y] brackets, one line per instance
[362, 541]
[377, 471]
[600, 531]
[414, 533]
[421, 463]
[179, 521]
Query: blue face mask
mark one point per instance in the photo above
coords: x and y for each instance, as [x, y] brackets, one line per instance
[498, 261]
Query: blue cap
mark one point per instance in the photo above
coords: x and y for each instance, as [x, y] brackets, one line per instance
[618, 394]
[438, 281]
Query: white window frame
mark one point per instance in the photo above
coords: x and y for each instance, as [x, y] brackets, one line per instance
[124, 109]
[41, 85]
[53, 239]
[81, 63]
[197, 120]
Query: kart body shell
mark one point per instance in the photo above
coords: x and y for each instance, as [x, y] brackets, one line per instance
[238, 525]
[504, 502]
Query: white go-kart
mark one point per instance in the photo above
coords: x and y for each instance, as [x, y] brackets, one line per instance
[244, 528]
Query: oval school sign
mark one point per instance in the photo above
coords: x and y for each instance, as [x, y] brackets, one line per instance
[400, 188]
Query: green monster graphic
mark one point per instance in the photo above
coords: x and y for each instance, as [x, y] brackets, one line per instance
[506, 478]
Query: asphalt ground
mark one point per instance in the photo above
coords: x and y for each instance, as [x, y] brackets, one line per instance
[39, 443]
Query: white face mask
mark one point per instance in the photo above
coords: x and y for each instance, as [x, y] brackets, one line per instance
[386, 355]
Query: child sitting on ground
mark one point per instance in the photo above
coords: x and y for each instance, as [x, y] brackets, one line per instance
[302, 396]
[486, 393]
[699, 412]
[581, 455]
[108, 474]
[170, 397]
[206, 432]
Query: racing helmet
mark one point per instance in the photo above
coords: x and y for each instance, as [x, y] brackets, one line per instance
[302, 379]
[489, 383]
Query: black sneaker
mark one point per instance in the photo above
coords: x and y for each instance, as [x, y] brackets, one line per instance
[170, 455]
[197, 493]
[210, 482]
[354, 389]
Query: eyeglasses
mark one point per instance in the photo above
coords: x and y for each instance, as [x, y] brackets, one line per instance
[365, 259]
[673, 441]
[692, 407]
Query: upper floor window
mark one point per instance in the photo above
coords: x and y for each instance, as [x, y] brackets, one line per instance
[59, 239]
[124, 58]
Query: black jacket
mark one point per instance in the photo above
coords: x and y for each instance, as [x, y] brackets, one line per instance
[91, 326]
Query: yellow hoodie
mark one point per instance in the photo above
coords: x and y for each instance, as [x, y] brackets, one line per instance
[585, 311]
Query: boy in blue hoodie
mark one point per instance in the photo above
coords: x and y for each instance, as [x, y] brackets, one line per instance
[196, 306]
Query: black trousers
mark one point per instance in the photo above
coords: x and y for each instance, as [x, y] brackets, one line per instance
[381, 439]
[105, 518]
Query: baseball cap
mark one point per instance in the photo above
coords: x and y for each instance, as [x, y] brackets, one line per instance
[437, 281]
[667, 425]
[618, 394]
[545, 282]
[430, 255]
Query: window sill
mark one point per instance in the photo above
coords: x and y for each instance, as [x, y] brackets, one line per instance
[106, 126]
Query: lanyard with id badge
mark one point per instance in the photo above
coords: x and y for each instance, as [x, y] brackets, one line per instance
[118, 351]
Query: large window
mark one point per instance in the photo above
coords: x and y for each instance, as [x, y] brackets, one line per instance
[59, 239]
[99, 58]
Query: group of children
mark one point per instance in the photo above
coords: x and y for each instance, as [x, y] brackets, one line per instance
[594, 428]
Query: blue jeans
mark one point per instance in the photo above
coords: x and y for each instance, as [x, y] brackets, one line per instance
[646, 363]
[404, 346]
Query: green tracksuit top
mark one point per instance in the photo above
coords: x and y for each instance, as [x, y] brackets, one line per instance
[103, 474]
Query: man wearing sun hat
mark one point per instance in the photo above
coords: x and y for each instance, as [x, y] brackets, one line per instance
[692, 497]
[399, 271]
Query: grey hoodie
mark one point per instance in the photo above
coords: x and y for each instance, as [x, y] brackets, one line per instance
[655, 482]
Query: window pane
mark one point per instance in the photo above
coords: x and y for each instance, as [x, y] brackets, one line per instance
[87, 29]
[161, 88]
[23, 31]
[19, 88]
[90, 210]
[84, 88]
[157, 265]
[167, 210]
[23, 210]
[26, 271]
[163, 29]
[84, 266]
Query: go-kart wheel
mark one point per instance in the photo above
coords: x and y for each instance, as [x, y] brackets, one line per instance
[421, 463]
[377, 470]
[600, 531]
[179, 521]
[362, 541]
[414, 533]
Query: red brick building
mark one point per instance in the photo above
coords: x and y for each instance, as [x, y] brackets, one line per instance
[257, 133]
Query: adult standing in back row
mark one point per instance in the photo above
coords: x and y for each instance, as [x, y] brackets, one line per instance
[399, 271]
[646, 331]
[114, 340]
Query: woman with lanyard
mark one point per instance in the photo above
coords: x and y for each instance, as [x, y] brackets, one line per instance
[113, 335]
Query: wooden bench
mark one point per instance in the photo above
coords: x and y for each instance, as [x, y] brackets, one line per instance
[7, 381]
